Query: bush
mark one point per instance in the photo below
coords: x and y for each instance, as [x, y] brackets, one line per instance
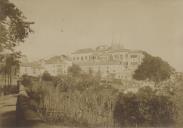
[145, 108]
[79, 100]
[46, 76]
[9, 89]
[82, 101]
[74, 70]
[26, 81]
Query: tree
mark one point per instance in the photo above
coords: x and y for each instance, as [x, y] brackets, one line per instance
[178, 100]
[126, 111]
[26, 81]
[145, 108]
[14, 29]
[46, 76]
[10, 67]
[74, 70]
[153, 68]
[13, 25]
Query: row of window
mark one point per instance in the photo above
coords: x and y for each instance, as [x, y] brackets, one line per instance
[85, 58]
[34, 71]
[121, 57]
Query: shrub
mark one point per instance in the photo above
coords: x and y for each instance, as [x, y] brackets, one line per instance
[79, 100]
[74, 70]
[82, 101]
[46, 76]
[8, 89]
[26, 81]
[145, 108]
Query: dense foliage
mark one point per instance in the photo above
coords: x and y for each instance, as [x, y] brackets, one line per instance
[154, 69]
[26, 80]
[10, 67]
[14, 29]
[13, 25]
[74, 70]
[178, 99]
[145, 108]
[46, 76]
[81, 100]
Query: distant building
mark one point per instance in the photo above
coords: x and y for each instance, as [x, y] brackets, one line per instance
[31, 69]
[111, 61]
[56, 65]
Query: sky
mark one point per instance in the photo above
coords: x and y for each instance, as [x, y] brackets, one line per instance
[63, 26]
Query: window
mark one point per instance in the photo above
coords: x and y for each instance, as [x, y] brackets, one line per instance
[126, 65]
[34, 71]
[133, 56]
[116, 56]
[25, 70]
[77, 58]
[81, 58]
[134, 63]
[126, 55]
[121, 57]
[86, 57]
[73, 58]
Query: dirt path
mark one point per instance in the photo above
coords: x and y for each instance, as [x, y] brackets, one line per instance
[8, 111]
[8, 114]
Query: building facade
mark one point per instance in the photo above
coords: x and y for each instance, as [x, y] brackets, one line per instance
[111, 61]
[31, 69]
[56, 65]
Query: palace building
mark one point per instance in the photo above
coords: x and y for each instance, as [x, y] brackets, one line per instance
[111, 61]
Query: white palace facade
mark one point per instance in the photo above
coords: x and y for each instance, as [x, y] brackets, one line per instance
[110, 61]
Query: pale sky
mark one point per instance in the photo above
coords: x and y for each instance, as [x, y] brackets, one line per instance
[62, 26]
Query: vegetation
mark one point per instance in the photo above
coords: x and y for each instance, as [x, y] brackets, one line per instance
[26, 80]
[178, 100]
[13, 25]
[82, 101]
[46, 76]
[14, 29]
[74, 70]
[145, 108]
[10, 68]
[153, 69]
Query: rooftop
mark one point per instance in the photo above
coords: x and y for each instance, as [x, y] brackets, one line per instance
[85, 50]
[32, 64]
[57, 59]
[105, 48]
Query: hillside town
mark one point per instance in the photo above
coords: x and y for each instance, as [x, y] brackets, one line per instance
[110, 61]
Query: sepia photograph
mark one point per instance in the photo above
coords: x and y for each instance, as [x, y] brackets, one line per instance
[91, 63]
